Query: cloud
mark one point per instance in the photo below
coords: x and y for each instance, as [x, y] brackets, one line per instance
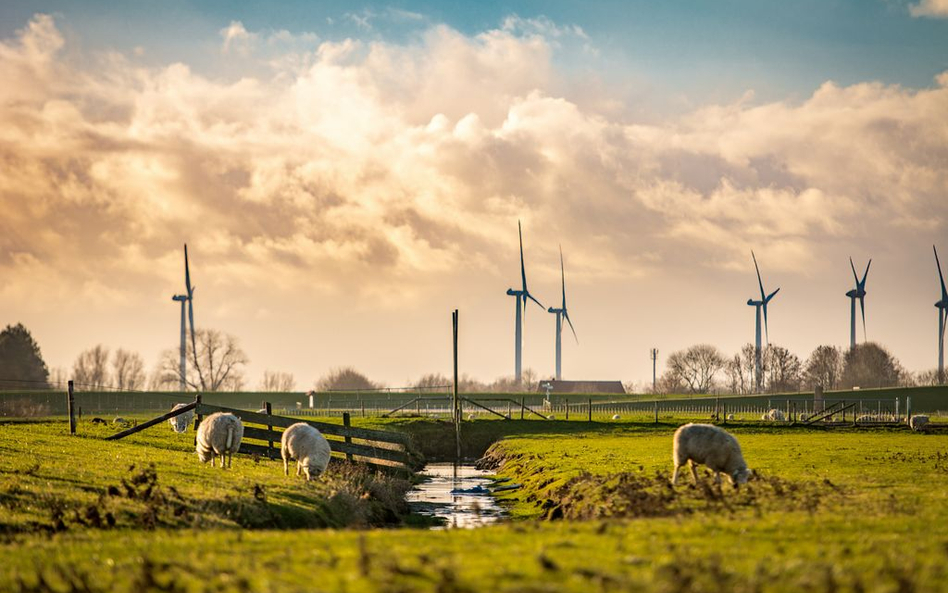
[381, 167]
[930, 8]
[237, 38]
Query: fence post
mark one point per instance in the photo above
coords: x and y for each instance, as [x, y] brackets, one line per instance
[269, 411]
[908, 408]
[346, 423]
[508, 409]
[656, 411]
[362, 403]
[197, 416]
[458, 406]
[897, 418]
[522, 408]
[590, 409]
[70, 403]
[724, 412]
[567, 409]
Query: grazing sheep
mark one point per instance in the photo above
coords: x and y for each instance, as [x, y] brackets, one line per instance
[471, 416]
[615, 416]
[803, 416]
[308, 447]
[730, 416]
[219, 434]
[918, 423]
[711, 446]
[180, 422]
[119, 421]
[98, 421]
[774, 415]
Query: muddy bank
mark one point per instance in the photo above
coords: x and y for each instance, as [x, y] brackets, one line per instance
[630, 495]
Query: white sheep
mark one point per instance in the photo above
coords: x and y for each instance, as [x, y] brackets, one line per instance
[219, 434]
[730, 416]
[711, 446]
[180, 422]
[308, 447]
[774, 415]
[616, 417]
[918, 422]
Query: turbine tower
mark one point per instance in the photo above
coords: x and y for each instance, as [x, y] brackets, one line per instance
[857, 293]
[521, 301]
[561, 313]
[942, 306]
[761, 304]
[186, 298]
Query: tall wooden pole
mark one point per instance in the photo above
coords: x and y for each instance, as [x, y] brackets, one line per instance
[70, 408]
[457, 408]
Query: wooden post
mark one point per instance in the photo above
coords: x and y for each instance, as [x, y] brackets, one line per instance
[197, 417]
[508, 409]
[522, 408]
[70, 403]
[567, 409]
[269, 409]
[590, 404]
[908, 408]
[724, 412]
[457, 403]
[656, 411]
[362, 402]
[347, 423]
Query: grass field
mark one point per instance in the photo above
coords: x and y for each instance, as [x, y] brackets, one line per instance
[845, 510]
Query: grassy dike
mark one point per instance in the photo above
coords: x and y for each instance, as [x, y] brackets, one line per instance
[830, 511]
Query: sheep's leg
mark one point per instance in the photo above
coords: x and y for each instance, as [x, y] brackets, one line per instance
[212, 460]
[286, 466]
[222, 461]
[694, 471]
[675, 474]
[299, 467]
[230, 458]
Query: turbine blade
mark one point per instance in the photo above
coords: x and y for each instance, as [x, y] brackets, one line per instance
[523, 270]
[766, 328]
[191, 319]
[944, 293]
[759, 281]
[865, 275]
[563, 277]
[862, 305]
[527, 295]
[771, 295]
[187, 271]
[853, 266]
[566, 315]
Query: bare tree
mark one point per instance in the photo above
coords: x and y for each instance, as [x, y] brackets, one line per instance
[58, 378]
[433, 381]
[824, 368]
[670, 382]
[927, 378]
[740, 371]
[784, 369]
[91, 371]
[128, 370]
[277, 381]
[870, 365]
[345, 379]
[696, 367]
[216, 365]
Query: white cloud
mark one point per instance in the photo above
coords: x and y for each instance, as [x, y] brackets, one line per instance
[237, 38]
[930, 8]
[374, 172]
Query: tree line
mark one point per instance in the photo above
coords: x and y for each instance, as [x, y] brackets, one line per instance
[703, 368]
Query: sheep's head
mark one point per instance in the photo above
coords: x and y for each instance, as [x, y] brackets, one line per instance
[205, 455]
[312, 472]
[740, 476]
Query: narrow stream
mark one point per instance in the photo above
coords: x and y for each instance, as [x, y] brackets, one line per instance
[457, 493]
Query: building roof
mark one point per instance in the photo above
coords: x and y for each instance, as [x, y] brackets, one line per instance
[581, 386]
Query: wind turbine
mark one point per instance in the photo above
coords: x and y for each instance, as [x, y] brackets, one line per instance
[189, 299]
[942, 321]
[761, 304]
[561, 313]
[522, 295]
[857, 293]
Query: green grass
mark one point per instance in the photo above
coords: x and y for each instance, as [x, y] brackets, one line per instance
[844, 510]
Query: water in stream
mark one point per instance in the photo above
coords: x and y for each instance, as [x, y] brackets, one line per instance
[456, 493]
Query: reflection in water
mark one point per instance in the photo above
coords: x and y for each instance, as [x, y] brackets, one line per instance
[456, 493]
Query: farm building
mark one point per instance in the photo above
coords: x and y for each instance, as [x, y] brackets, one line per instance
[558, 387]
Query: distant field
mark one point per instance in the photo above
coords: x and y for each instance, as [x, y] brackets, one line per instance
[841, 510]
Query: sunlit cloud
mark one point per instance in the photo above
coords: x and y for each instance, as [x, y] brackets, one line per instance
[930, 8]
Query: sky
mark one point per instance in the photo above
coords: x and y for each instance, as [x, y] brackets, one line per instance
[345, 175]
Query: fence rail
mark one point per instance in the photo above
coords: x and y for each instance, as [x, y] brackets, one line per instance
[379, 448]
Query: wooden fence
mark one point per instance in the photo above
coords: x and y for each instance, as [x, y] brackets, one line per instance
[379, 448]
